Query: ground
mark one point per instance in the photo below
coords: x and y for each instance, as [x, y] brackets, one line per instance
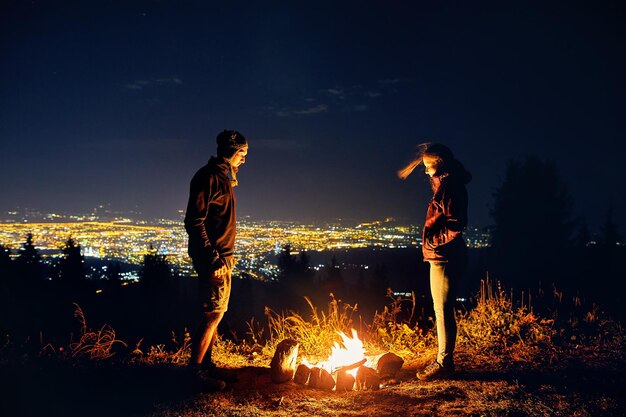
[60, 388]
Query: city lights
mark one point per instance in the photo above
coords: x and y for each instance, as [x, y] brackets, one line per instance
[258, 242]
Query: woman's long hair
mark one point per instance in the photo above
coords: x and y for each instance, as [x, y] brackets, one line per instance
[447, 162]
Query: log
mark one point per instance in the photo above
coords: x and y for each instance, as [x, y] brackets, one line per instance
[302, 375]
[351, 367]
[283, 365]
[367, 378]
[345, 381]
[388, 365]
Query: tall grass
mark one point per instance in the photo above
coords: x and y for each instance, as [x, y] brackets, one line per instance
[96, 345]
[494, 330]
[316, 333]
[497, 329]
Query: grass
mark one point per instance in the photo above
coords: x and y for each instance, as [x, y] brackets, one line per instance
[514, 360]
[95, 345]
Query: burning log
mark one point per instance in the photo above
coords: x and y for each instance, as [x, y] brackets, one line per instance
[351, 367]
[367, 378]
[345, 381]
[302, 374]
[283, 365]
[389, 364]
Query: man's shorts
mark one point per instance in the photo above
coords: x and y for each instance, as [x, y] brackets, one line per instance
[214, 292]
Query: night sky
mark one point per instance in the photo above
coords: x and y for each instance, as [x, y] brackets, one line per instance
[120, 102]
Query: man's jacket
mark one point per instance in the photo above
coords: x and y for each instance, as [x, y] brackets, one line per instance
[210, 219]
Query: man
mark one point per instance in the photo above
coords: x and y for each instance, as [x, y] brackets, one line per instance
[210, 222]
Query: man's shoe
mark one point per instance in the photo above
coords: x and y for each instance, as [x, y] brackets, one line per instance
[435, 371]
[224, 374]
[207, 383]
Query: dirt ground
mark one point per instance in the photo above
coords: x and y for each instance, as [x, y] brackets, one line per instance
[60, 389]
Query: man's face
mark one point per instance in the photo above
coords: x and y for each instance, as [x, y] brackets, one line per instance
[430, 165]
[239, 158]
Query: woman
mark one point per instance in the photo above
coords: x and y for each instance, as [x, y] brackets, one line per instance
[443, 245]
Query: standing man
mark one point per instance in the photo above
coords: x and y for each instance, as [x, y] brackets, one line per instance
[210, 222]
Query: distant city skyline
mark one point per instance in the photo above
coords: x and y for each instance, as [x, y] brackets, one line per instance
[120, 102]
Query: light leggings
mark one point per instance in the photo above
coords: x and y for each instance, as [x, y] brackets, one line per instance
[444, 284]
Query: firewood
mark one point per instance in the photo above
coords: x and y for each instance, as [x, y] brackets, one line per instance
[351, 367]
[367, 378]
[283, 365]
[302, 375]
[388, 365]
[345, 381]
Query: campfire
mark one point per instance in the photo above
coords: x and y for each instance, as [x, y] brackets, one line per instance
[347, 368]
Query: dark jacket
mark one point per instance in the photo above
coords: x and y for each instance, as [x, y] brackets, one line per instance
[210, 219]
[446, 218]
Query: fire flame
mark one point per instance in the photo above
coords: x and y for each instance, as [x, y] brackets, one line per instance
[348, 352]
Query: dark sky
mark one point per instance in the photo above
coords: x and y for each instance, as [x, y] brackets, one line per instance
[120, 102]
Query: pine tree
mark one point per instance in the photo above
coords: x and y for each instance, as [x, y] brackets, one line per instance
[5, 263]
[155, 271]
[533, 226]
[71, 268]
[29, 261]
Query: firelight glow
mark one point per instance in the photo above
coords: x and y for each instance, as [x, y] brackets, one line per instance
[349, 352]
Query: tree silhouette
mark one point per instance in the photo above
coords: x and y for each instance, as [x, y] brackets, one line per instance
[286, 263]
[71, 267]
[155, 271]
[6, 272]
[29, 262]
[533, 226]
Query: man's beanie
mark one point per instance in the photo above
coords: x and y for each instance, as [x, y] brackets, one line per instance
[229, 142]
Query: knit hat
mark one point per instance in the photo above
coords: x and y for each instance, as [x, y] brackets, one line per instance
[229, 142]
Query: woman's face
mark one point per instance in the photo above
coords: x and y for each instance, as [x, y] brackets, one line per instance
[431, 164]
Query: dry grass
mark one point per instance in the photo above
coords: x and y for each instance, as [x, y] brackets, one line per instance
[498, 330]
[96, 345]
[160, 355]
[506, 353]
[315, 334]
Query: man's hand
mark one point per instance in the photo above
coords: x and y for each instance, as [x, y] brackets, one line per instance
[220, 271]
[220, 267]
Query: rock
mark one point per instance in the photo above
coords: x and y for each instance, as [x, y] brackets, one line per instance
[320, 378]
[367, 378]
[388, 365]
[302, 375]
[327, 381]
[315, 377]
[345, 381]
[283, 365]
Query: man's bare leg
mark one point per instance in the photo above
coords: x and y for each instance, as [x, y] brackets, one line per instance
[205, 337]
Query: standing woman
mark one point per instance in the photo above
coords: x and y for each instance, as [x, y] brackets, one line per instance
[443, 246]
